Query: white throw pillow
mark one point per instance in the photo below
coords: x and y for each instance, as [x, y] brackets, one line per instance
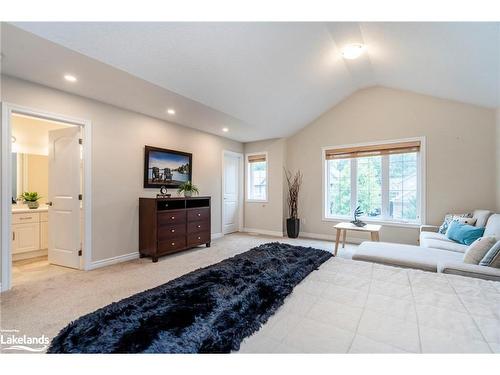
[478, 249]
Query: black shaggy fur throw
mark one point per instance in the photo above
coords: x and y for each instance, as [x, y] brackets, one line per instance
[210, 310]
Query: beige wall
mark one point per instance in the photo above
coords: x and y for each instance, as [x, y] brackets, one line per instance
[38, 175]
[268, 217]
[118, 143]
[498, 157]
[460, 142]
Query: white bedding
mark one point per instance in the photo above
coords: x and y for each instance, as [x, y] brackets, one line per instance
[357, 307]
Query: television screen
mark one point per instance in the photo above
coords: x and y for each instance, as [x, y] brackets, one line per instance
[164, 167]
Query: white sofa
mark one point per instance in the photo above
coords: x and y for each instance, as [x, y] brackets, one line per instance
[436, 253]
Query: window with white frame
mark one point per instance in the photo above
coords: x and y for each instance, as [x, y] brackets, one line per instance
[257, 177]
[383, 179]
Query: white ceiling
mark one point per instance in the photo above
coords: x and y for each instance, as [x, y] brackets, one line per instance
[262, 80]
[32, 134]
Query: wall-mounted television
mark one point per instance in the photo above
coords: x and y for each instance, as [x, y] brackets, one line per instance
[168, 168]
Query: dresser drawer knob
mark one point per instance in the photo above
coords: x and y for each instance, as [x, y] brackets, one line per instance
[199, 214]
[199, 237]
[199, 226]
[173, 217]
[173, 243]
[172, 230]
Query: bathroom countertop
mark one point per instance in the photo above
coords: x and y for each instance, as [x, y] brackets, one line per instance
[24, 209]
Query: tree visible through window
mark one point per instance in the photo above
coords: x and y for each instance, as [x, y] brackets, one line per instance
[384, 182]
[257, 177]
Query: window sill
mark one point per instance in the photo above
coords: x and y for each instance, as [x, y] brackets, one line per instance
[388, 223]
[256, 201]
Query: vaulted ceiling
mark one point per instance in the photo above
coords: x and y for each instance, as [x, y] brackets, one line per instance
[261, 80]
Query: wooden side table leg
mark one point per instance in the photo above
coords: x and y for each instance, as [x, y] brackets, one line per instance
[344, 234]
[337, 240]
[375, 236]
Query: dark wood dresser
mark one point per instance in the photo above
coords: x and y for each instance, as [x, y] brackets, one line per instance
[169, 225]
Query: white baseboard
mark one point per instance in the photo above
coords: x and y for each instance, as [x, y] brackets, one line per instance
[29, 254]
[214, 236]
[113, 260]
[263, 231]
[330, 237]
[127, 257]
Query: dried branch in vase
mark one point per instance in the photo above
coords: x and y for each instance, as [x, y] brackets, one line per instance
[294, 182]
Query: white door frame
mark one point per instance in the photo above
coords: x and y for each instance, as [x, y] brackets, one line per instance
[239, 155]
[6, 189]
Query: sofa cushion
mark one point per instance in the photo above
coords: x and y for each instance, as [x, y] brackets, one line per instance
[463, 233]
[478, 249]
[481, 217]
[450, 217]
[440, 241]
[492, 257]
[470, 270]
[433, 236]
[407, 256]
[493, 226]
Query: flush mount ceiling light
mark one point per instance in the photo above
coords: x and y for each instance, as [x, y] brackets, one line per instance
[225, 130]
[171, 111]
[353, 51]
[70, 78]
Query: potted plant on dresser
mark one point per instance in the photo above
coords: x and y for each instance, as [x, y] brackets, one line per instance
[293, 221]
[31, 199]
[188, 189]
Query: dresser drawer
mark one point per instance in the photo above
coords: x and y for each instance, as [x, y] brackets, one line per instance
[25, 218]
[198, 238]
[197, 214]
[171, 245]
[171, 217]
[198, 226]
[44, 216]
[167, 232]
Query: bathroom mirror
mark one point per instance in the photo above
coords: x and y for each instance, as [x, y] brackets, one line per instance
[30, 172]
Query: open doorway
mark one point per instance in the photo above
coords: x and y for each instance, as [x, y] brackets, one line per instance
[47, 219]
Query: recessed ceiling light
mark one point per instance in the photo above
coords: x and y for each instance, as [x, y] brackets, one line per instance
[171, 111]
[353, 51]
[70, 78]
[225, 130]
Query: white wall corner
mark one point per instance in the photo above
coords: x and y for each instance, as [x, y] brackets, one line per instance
[498, 155]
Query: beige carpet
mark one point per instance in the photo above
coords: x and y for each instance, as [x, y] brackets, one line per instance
[46, 298]
[344, 307]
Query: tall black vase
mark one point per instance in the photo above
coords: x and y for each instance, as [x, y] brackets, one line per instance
[292, 227]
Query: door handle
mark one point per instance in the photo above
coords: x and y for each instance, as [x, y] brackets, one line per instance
[49, 203]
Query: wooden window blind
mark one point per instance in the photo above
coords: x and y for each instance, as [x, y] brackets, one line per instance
[256, 158]
[373, 150]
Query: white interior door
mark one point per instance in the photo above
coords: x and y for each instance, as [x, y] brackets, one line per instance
[64, 188]
[231, 189]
